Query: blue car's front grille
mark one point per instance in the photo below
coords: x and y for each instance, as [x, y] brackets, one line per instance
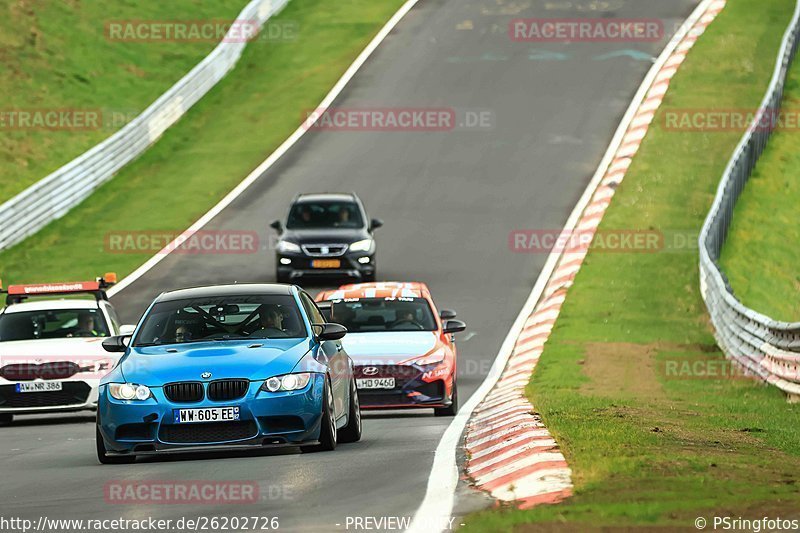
[207, 432]
[184, 392]
[227, 389]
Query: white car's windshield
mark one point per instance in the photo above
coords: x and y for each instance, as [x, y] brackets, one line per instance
[52, 324]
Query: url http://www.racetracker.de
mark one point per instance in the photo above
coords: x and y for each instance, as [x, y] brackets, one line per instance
[199, 524]
[184, 524]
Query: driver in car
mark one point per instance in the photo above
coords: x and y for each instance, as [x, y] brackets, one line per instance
[270, 322]
[85, 327]
[406, 319]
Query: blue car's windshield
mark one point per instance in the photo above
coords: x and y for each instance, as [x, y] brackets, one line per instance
[221, 318]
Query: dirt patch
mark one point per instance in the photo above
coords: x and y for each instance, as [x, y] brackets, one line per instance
[615, 368]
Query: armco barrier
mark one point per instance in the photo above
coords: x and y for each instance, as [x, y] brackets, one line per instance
[53, 196]
[765, 347]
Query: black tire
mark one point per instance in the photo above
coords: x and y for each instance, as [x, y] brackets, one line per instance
[6, 419]
[352, 431]
[369, 278]
[109, 459]
[452, 409]
[328, 432]
[281, 278]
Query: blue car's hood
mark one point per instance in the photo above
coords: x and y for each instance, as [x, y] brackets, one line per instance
[154, 366]
[386, 347]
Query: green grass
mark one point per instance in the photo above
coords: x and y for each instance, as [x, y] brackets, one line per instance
[212, 148]
[649, 446]
[54, 54]
[762, 254]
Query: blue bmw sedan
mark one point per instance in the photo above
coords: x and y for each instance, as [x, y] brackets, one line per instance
[231, 366]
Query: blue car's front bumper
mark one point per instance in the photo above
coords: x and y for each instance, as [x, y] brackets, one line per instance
[265, 419]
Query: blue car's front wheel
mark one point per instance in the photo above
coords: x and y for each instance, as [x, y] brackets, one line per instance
[327, 431]
[352, 431]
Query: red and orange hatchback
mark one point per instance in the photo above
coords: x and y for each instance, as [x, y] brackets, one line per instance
[403, 348]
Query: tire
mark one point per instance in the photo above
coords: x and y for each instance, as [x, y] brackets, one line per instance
[327, 432]
[453, 408]
[369, 278]
[352, 431]
[109, 459]
[281, 278]
[6, 419]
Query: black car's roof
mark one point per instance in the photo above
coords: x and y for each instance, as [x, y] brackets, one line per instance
[238, 289]
[326, 197]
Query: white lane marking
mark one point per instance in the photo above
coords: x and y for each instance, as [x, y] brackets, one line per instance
[274, 157]
[437, 506]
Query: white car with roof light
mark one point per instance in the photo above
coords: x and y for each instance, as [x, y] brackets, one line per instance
[51, 352]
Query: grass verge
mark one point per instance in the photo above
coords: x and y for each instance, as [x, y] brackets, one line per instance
[211, 149]
[55, 54]
[762, 254]
[629, 382]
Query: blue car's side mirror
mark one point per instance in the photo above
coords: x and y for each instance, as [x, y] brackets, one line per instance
[330, 331]
[118, 343]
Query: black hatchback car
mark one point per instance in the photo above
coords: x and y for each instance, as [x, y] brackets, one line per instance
[326, 234]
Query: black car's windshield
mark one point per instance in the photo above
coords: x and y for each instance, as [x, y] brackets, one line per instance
[319, 215]
[360, 315]
[52, 324]
[221, 318]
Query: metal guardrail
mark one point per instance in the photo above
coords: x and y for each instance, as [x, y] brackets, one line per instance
[766, 348]
[53, 196]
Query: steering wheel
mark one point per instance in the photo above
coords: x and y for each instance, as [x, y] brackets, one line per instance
[413, 323]
[81, 333]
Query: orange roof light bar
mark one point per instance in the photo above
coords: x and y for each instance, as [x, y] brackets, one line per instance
[18, 293]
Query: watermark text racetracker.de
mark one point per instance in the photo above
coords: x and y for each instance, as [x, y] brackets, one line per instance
[193, 492]
[545, 241]
[730, 120]
[65, 119]
[201, 31]
[182, 242]
[591, 30]
[400, 119]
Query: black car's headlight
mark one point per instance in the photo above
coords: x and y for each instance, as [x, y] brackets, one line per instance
[129, 391]
[287, 382]
[361, 246]
[288, 247]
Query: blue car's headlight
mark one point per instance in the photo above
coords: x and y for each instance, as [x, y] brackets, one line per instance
[287, 382]
[128, 391]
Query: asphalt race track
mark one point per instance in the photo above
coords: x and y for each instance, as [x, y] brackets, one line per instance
[449, 200]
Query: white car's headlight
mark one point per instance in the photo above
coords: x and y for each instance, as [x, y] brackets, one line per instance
[128, 391]
[361, 246]
[287, 382]
[288, 247]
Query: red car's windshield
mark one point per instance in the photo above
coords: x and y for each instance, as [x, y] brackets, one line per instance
[383, 314]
